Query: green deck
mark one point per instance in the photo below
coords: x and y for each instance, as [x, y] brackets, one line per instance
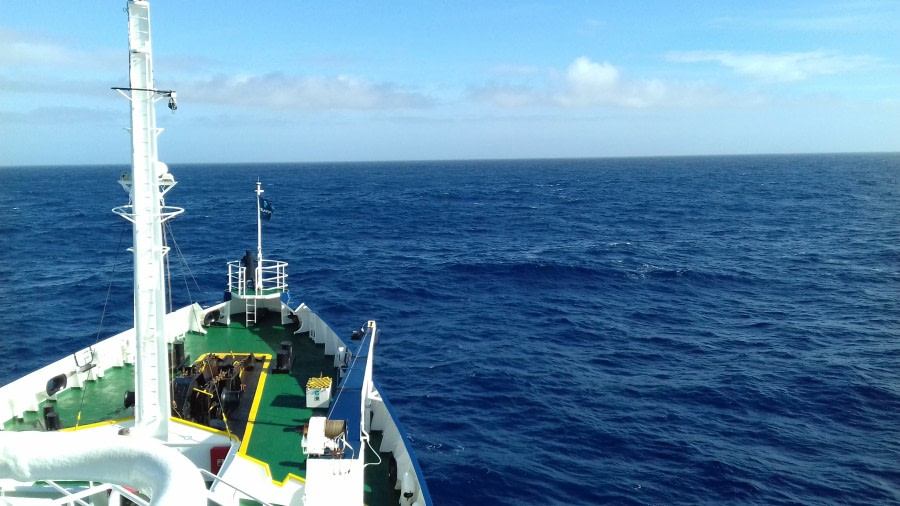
[101, 400]
[276, 434]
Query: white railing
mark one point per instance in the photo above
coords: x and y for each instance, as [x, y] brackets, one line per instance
[113, 493]
[28, 392]
[53, 493]
[271, 274]
[237, 275]
[219, 479]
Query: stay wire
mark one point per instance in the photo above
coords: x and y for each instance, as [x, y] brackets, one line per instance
[172, 365]
[112, 277]
[216, 390]
[185, 265]
[111, 280]
[166, 256]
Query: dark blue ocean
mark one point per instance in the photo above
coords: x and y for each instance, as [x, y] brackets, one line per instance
[710, 330]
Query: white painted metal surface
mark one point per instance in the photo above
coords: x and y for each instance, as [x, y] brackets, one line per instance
[27, 392]
[334, 481]
[157, 470]
[152, 398]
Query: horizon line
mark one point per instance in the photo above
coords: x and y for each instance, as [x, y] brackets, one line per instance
[445, 160]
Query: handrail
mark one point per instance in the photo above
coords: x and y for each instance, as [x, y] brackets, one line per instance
[217, 478]
[131, 496]
[236, 270]
[70, 497]
[272, 275]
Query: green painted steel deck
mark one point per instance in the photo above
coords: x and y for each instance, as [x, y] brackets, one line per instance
[100, 400]
[277, 428]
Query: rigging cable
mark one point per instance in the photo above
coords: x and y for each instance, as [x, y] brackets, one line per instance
[165, 241]
[216, 390]
[172, 365]
[103, 314]
[187, 287]
[185, 265]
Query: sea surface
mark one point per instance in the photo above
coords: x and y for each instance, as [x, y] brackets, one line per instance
[691, 330]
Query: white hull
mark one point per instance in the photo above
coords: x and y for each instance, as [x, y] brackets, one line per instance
[239, 477]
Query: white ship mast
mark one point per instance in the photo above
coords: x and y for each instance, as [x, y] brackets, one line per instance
[257, 276]
[148, 183]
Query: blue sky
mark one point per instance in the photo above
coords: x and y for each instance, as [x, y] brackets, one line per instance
[333, 81]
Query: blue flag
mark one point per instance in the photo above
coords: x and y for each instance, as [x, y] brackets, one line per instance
[265, 208]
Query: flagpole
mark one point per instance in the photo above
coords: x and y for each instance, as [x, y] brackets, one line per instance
[259, 255]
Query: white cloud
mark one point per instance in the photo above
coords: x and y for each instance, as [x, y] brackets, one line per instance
[21, 50]
[63, 87]
[778, 67]
[279, 91]
[849, 23]
[588, 84]
[271, 91]
[507, 97]
[61, 117]
[862, 17]
[518, 70]
[26, 59]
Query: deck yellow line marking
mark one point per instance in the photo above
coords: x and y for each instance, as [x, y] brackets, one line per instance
[205, 428]
[257, 398]
[96, 424]
[265, 466]
[174, 419]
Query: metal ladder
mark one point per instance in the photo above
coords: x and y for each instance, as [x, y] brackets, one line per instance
[251, 310]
